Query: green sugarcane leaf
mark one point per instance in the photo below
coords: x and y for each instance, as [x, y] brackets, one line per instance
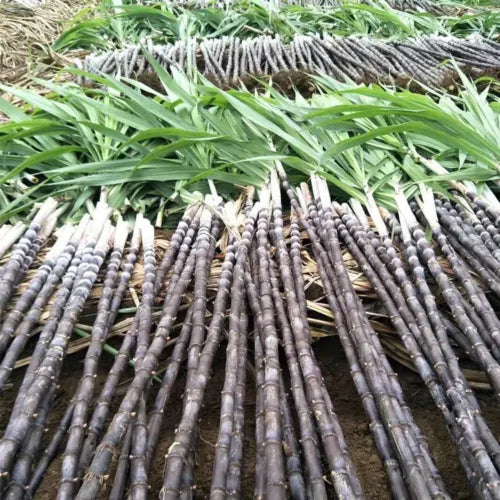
[40, 158]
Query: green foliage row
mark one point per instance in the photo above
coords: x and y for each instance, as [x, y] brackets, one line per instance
[156, 150]
[118, 23]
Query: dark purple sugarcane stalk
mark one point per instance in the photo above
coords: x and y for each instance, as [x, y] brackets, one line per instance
[468, 434]
[260, 430]
[81, 400]
[309, 438]
[233, 481]
[490, 328]
[56, 312]
[100, 465]
[179, 450]
[49, 453]
[470, 241]
[275, 482]
[187, 221]
[290, 445]
[226, 425]
[35, 285]
[342, 471]
[296, 268]
[9, 237]
[22, 468]
[384, 445]
[13, 269]
[21, 472]
[163, 395]
[138, 473]
[99, 415]
[206, 243]
[23, 331]
[121, 474]
[455, 397]
[98, 419]
[415, 453]
[470, 224]
[454, 301]
[50, 367]
[418, 271]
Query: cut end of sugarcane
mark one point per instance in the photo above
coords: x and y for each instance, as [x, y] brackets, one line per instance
[427, 206]
[80, 229]
[121, 234]
[48, 226]
[306, 192]
[136, 234]
[374, 212]
[404, 208]
[63, 237]
[405, 230]
[302, 202]
[315, 187]
[105, 239]
[206, 214]
[44, 212]
[324, 192]
[275, 188]
[265, 196]
[359, 212]
[148, 234]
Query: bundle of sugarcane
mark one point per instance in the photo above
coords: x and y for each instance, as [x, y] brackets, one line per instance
[228, 59]
[420, 324]
[260, 289]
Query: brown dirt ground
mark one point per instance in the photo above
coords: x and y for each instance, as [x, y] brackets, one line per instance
[347, 405]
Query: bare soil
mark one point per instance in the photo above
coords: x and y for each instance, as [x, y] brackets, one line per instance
[347, 405]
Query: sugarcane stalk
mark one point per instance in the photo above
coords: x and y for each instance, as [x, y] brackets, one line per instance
[73, 257]
[27, 298]
[10, 237]
[98, 419]
[487, 362]
[233, 481]
[187, 221]
[309, 437]
[383, 443]
[260, 463]
[21, 471]
[19, 334]
[69, 471]
[50, 367]
[296, 270]
[120, 480]
[478, 300]
[206, 242]
[138, 473]
[273, 451]
[343, 476]
[13, 269]
[179, 450]
[225, 436]
[443, 360]
[417, 452]
[457, 400]
[163, 395]
[99, 467]
[49, 453]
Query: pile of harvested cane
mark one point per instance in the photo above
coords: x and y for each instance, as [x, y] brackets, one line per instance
[259, 305]
[430, 60]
